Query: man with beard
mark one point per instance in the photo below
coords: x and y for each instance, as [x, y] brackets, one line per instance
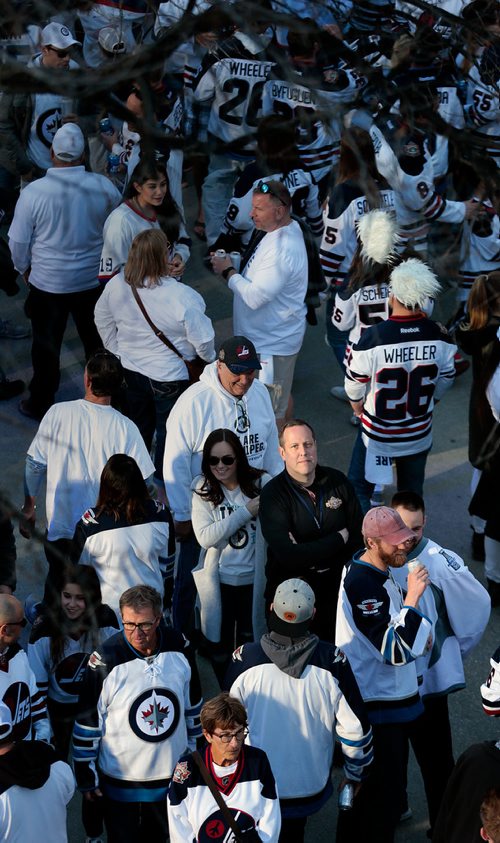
[382, 634]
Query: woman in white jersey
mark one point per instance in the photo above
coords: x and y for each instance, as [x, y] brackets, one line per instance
[148, 204]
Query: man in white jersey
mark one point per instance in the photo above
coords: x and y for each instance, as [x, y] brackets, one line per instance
[269, 294]
[398, 369]
[56, 242]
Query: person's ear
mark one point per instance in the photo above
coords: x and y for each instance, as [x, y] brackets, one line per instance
[207, 736]
[484, 834]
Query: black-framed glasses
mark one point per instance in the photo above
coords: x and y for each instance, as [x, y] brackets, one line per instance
[225, 460]
[144, 626]
[265, 188]
[62, 54]
[227, 737]
[21, 623]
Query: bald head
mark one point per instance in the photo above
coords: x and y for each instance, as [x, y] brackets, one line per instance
[10, 609]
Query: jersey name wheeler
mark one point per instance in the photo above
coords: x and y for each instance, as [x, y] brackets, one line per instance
[233, 77]
[406, 362]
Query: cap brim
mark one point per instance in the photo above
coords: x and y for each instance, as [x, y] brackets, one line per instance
[238, 369]
[289, 630]
[400, 536]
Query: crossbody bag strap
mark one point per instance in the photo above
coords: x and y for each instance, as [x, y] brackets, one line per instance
[161, 336]
[207, 778]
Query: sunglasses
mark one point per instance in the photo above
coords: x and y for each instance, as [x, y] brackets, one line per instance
[62, 54]
[226, 460]
[265, 188]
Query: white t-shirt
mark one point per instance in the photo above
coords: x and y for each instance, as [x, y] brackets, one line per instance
[269, 304]
[25, 813]
[75, 440]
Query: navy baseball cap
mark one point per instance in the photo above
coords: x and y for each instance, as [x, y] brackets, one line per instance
[239, 355]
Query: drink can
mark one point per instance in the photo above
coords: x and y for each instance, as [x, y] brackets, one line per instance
[220, 253]
[414, 565]
[346, 797]
[113, 163]
[235, 260]
[105, 126]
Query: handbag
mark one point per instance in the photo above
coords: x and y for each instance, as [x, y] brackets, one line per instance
[195, 367]
[241, 835]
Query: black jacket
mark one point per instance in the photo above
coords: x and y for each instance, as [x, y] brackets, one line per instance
[285, 508]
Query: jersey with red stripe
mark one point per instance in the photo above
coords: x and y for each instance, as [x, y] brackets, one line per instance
[415, 199]
[348, 203]
[480, 250]
[400, 367]
[482, 112]
[316, 107]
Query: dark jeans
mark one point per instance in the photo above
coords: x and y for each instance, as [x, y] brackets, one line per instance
[135, 822]
[382, 795]
[148, 405]
[430, 737]
[293, 830]
[337, 340]
[184, 596]
[48, 313]
[410, 473]
[236, 626]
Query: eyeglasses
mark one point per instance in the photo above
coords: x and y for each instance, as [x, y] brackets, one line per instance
[22, 623]
[265, 188]
[62, 54]
[225, 460]
[144, 626]
[227, 737]
[137, 92]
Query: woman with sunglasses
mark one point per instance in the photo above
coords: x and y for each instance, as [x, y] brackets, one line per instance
[155, 375]
[224, 511]
[148, 205]
[228, 788]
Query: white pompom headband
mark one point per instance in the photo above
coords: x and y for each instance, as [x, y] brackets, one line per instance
[413, 282]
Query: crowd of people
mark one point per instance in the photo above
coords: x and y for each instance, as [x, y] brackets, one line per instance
[344, 152]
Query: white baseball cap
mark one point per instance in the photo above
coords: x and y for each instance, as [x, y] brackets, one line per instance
[293, 608]
[57, 35]
[68, 143]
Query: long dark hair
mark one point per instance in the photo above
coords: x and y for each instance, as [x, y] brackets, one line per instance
[122, 491]
[57, 626]
[246, 475]
[168, 214]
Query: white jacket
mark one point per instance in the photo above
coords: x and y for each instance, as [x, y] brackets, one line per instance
[204, 407]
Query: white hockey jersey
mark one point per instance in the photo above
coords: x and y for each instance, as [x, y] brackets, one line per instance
[316, 107]
[233, 78]
[137, 716]
[479, 251]
[358, 310]
[348, 204]
[18, 690]
[459, 608]
[400, 367]
[415, 199]
[482, 112]
[300, 185]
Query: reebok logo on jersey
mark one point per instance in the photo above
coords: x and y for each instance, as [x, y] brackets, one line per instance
[370, 607]
[410, 330]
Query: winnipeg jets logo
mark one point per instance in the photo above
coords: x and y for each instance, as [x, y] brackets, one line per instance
[370, 607]
[155, 714]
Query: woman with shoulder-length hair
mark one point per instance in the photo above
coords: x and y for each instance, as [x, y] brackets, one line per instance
[127, 537]
[134, 306]
[230, 572]
[148, 204]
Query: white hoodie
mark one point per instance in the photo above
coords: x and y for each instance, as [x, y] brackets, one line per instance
[202, 408]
